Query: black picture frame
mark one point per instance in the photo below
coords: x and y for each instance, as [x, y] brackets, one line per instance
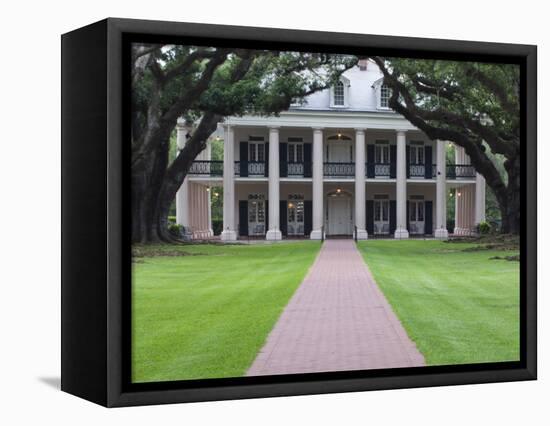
[96, 193]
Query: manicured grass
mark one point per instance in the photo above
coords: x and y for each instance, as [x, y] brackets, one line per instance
[458, 306]
[207, 314]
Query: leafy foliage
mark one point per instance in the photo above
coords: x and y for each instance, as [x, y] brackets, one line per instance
[473, 104]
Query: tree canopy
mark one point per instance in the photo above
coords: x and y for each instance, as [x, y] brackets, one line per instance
[473, 104]
[205, 84]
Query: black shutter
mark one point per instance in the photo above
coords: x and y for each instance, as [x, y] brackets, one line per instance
[308, 217]
[370, 161]
[266, 164]
[307, 160]
[243, 218]
[408, 222]
[266, 223]
[393, 216]
[243, 158]
[283, 158]
[408, 157]
[370, 217]
[428, 223]
[428, 162]
[283, 217]
[393, 161]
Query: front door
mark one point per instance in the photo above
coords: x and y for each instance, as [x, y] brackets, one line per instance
[416, 216]
[256, 217]
[339, 216]
[381, 217]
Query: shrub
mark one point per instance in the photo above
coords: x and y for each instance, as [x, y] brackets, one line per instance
[217, 226]
[484, 228]
[176, 230]
[171, 219]
[450, 226]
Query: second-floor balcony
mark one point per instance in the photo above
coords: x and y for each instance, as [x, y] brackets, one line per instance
[331, 170]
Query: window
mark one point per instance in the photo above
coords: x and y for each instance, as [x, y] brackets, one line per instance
[416, 211]
[295, 153]
[417, 153]
[295, 150]
[339, 94]
[256, 151]
[385, 94]
[382, 152]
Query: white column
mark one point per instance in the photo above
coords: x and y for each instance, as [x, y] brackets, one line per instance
[209, 198]
[441, 193]
[360, 220]
[210, 229]
[459, 229]
[228, 233]
[480, 199]
[273, 233]
[401, 187]
[317, 184]
[182, 196]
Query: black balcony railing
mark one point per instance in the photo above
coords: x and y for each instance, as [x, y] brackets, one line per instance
[206, 168]
[417, 170]
[253, 168]
[460, 171]
[346, 170]
[380, 170]
[295, 169]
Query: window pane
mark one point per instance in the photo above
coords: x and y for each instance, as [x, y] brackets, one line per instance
[385, 211]
[384, 96]
[300, 153]
[291, 211]
[412, 211]
[251, 152]
[252, 211]
[377, 210]
[377, 154]
[260, 152]
[300, 211]
[339, 93]
[420, 212]
[290, 152]
[420, 155]
[261, 211]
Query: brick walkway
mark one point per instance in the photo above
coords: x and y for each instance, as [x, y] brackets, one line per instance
[337, 320]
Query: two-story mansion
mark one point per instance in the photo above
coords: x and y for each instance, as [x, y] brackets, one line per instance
[340, 163]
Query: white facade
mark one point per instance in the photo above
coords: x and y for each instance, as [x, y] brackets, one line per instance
[341, 163]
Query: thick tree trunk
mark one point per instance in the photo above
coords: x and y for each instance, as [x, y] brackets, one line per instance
[510, 207]
[146, 187]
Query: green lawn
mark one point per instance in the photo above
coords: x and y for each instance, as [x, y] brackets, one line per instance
[458, 307]
[207, 315]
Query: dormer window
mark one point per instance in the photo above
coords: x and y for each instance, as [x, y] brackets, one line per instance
[339, 93]
[385, 94]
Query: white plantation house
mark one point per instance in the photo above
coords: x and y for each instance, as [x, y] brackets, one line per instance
[341, 163]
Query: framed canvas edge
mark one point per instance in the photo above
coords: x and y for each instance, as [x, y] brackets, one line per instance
[116, 397]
